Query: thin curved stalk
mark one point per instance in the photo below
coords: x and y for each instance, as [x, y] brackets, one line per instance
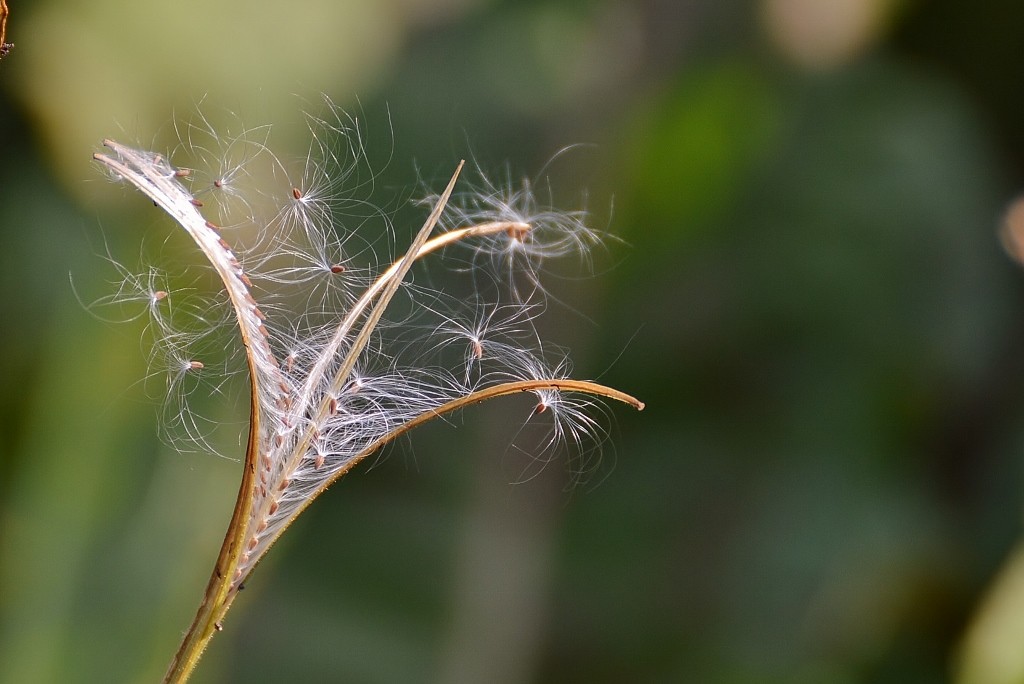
[158, 180]
[504, 389]
[218, 595]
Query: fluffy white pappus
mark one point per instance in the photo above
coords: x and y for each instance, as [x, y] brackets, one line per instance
[334, 179]
[474, 338]
[224, 168]
[132, 295]
[185, 329]
[560, 423]
[368, 409]
[192, 383]
[534, 233]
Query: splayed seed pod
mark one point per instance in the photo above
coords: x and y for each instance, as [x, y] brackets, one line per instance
[316, 414]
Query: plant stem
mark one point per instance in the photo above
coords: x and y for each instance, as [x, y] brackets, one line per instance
[219, 591]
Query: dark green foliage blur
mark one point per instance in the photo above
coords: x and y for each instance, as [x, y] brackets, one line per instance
[809, 291]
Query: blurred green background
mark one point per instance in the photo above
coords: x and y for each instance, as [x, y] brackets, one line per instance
[811, 296]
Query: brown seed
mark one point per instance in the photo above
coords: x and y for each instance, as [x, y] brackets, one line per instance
[196, 365]
[518, 231]
[212, 226]
[296, 193]
[181, 173]
[337, 268]
[159, 295]
[196, 202]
